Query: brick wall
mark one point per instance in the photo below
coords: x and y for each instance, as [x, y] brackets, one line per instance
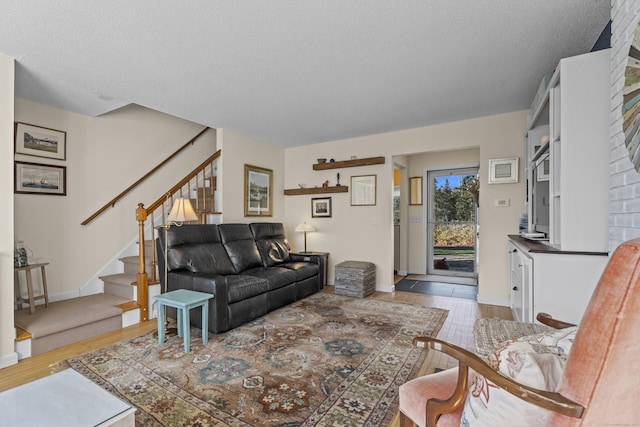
[624, 195]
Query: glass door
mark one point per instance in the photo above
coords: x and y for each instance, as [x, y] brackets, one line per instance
[451, 222]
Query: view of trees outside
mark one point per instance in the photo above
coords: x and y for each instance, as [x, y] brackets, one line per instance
[454, 228]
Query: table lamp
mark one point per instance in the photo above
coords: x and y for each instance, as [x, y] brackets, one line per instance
[304, 227]
[181, 212]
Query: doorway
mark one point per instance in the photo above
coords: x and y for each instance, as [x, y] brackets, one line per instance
[452, 223]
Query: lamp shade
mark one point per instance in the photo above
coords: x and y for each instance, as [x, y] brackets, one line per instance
[305, 227]
[182, 211]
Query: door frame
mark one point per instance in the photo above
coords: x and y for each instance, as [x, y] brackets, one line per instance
[427, 214]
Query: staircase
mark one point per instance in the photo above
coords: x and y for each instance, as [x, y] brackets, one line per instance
[124, 285]
[126, 295]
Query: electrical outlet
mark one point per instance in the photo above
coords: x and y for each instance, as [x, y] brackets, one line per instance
[502, 203]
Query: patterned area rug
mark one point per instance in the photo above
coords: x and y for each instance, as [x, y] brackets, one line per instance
[325, 360]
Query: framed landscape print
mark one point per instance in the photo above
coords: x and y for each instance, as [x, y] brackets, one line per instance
[321, 207]
[258, 190]
[35, 178]
[363, 190]
[40, 142]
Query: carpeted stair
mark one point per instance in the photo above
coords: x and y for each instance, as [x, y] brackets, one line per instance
[68, 321]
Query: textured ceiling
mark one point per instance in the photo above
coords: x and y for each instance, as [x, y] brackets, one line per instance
[293, 72]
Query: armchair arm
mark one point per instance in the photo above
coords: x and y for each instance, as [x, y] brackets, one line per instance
[435, 407]
[546, 319]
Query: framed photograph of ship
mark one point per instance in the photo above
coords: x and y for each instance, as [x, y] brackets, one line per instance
[36, 178]
[41, 142]
[258, 191]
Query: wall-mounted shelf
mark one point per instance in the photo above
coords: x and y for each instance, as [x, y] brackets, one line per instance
[349, 163]
[316, 190]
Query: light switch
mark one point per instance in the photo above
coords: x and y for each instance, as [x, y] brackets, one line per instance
[502, 203]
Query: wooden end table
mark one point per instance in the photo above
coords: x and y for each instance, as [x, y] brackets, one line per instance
[32, 298]
[184, 300]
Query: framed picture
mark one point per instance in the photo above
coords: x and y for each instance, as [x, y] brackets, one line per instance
[40, 142]
[363, 190]
[415, 190]
[258, 191]
[503, 171]
[35, 178]
[321, 207]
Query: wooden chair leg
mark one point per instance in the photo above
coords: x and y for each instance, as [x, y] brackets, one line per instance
[405, 421]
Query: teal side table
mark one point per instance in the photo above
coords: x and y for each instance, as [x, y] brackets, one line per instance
[184, 300]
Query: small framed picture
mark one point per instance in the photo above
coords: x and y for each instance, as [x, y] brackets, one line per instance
[503, 171]
[40, 142]
[321, 207]
[363, 190]
[36, 178]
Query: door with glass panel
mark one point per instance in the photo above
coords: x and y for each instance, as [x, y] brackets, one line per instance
[452, 222]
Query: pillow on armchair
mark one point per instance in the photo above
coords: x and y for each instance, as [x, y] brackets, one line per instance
[536, 361]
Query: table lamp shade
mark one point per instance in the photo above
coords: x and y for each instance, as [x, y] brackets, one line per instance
[305, 227]
[182, 211]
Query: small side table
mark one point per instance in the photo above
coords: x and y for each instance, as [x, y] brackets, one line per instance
[184, 300]
[32, 298]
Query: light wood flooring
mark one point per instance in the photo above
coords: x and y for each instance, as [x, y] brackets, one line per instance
[457, 329]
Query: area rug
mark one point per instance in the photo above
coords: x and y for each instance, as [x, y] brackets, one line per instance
[325, 360]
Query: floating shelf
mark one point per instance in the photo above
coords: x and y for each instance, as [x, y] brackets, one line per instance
[349, 163]
[316, 190]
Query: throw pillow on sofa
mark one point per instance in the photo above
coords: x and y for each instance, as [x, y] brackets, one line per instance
[537, 361]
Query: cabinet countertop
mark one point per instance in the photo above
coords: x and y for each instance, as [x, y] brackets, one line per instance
[534, 246]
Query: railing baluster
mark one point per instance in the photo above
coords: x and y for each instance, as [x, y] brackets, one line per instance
[162, 206]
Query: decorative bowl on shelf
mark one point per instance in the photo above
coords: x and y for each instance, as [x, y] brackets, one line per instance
[322, 160]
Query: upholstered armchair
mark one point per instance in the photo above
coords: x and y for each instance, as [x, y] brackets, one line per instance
[599, 384]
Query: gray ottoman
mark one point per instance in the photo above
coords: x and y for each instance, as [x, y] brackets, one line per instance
[355, 278]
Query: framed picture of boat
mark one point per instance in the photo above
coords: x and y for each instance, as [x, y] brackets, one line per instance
[258, 191]
[41, 142]
[36, 178]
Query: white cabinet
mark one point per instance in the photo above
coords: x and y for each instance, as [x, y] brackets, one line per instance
[520, 284]
[568, 136]
[543, 279]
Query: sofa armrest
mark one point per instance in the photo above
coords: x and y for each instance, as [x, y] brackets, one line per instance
[216, 285]
[320, 259]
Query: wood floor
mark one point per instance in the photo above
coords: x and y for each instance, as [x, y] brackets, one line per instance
[457, 329]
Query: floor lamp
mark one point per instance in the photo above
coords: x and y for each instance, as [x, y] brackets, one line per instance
[181, 212]
[306, 228]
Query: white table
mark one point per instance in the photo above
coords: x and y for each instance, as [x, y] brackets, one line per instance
[63, 399]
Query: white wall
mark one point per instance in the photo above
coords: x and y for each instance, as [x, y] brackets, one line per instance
[418, 164]
[7, 332]
[105, 155]
[238, 150]
[366, 233]
[624, 195]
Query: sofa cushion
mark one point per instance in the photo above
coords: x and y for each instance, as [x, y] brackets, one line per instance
[197, 248]
[537, 361]
[276, 276]
[241, 287]
[240, 246]
[303, 270]
[272, 243]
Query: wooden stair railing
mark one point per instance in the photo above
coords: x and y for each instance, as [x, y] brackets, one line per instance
[113, 201]
[199, 186]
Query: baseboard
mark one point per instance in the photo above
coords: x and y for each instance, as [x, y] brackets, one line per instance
[8, 360]
[402, 273]
[493, 301]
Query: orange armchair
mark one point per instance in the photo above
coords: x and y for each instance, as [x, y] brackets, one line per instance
[599, 383]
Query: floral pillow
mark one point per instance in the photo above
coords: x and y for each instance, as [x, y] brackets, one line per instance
[536, 361]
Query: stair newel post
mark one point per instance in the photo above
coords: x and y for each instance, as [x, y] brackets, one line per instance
[142, 279]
